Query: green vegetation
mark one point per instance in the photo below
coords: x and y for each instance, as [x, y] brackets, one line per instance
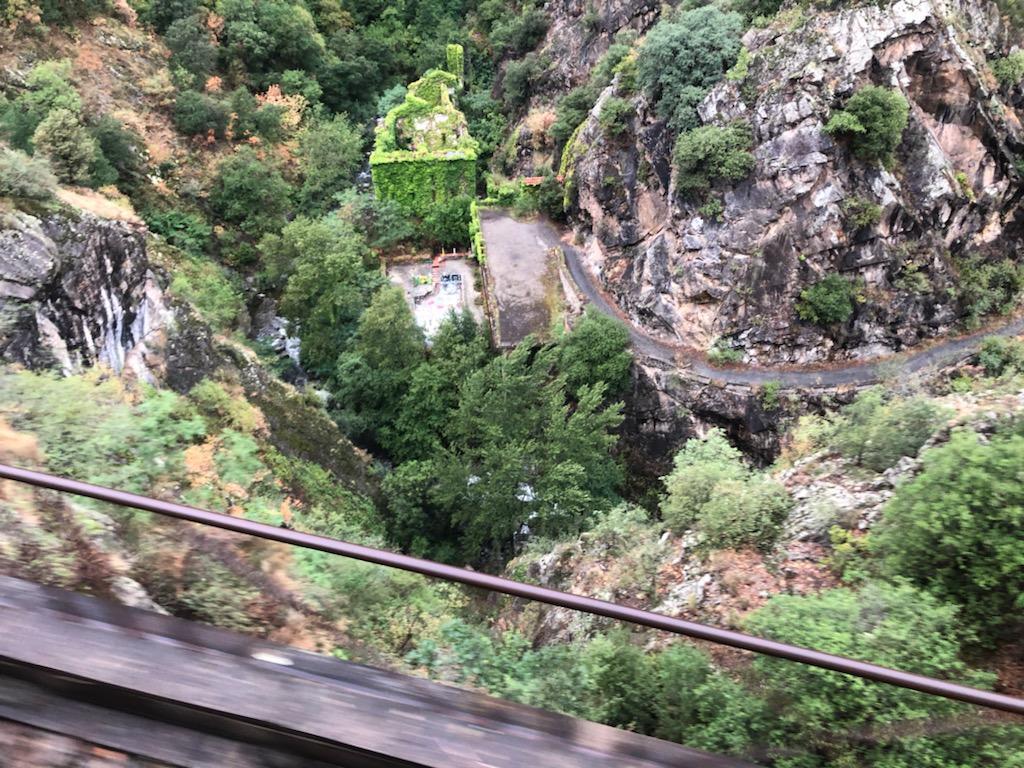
[875, 432]
[615, 116]
[988, 287]
[827, 302]
[24, 176]
[721, 353]
[683, 56]
[331, 155]
[838, 720]
[1000, 355]
[424, 157]
[710, 488]
[861, 212]
[709, 154]
[873, 121]
[1009, 71]
[955, 529]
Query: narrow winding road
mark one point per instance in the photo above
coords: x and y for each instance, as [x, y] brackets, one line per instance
[861, 373]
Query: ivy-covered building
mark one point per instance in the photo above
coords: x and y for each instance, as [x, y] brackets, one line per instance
[423, 153]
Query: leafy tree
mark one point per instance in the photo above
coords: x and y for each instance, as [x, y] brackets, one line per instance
[251, 194]
[519, 454]
[683, 56]
[163, 13]
[700, 467]
[708, 154]
[833, 719]
[615, 116]
[873, 120]
[24, 176]
[330, 156]
[119, 156]
[827, 302]
[372, 378]
[876, 433]
[197, 114]
[270, 36]
[514, 35]
[1000, 355]
[383, 223]
[192, 47]
[596, 351]
[459, 347]
[49, 88]
[448, 222]
[67, 144]
[330, 280]
[520, 76]
[956, 529]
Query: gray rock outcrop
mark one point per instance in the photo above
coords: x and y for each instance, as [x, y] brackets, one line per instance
[76, 290]
[952, 193]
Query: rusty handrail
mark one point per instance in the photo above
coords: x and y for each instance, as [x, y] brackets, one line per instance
[485, 581]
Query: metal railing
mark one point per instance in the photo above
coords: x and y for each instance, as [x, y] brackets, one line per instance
[862, 669]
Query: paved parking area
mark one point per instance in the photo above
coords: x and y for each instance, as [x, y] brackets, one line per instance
[522, 272]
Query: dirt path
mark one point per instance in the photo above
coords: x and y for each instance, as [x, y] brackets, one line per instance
[863, 373]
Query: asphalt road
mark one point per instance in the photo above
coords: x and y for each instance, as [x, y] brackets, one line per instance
[861, 373]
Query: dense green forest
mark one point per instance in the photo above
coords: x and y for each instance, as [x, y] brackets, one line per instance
[489, 458]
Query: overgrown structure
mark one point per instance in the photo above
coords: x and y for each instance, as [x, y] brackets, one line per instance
[424, 155]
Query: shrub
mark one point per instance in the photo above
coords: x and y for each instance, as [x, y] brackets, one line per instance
[331, 154]
[989, 287]
[827, 302]
[63, 139]
[873, 120]
[1010, 70]
[747, 512]
[595, 351]
[842, 721]
[701, 466]
[683, 56]
[210, 290]
[876, 433]
[1001, 355]
[196, 114]
[448, 222]
[956, 529]
[861, 212]
[250, 193]
[709, 154]
[770, 395]
[720, 353]
[24, 176]
[187, 231]
[615, 116]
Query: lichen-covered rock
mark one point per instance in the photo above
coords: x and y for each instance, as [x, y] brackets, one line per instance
[951, 194]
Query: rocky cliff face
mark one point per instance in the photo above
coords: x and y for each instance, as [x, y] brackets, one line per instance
[77, 290]
[952, 194]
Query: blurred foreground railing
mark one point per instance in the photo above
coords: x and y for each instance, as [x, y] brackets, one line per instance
[590, 605]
